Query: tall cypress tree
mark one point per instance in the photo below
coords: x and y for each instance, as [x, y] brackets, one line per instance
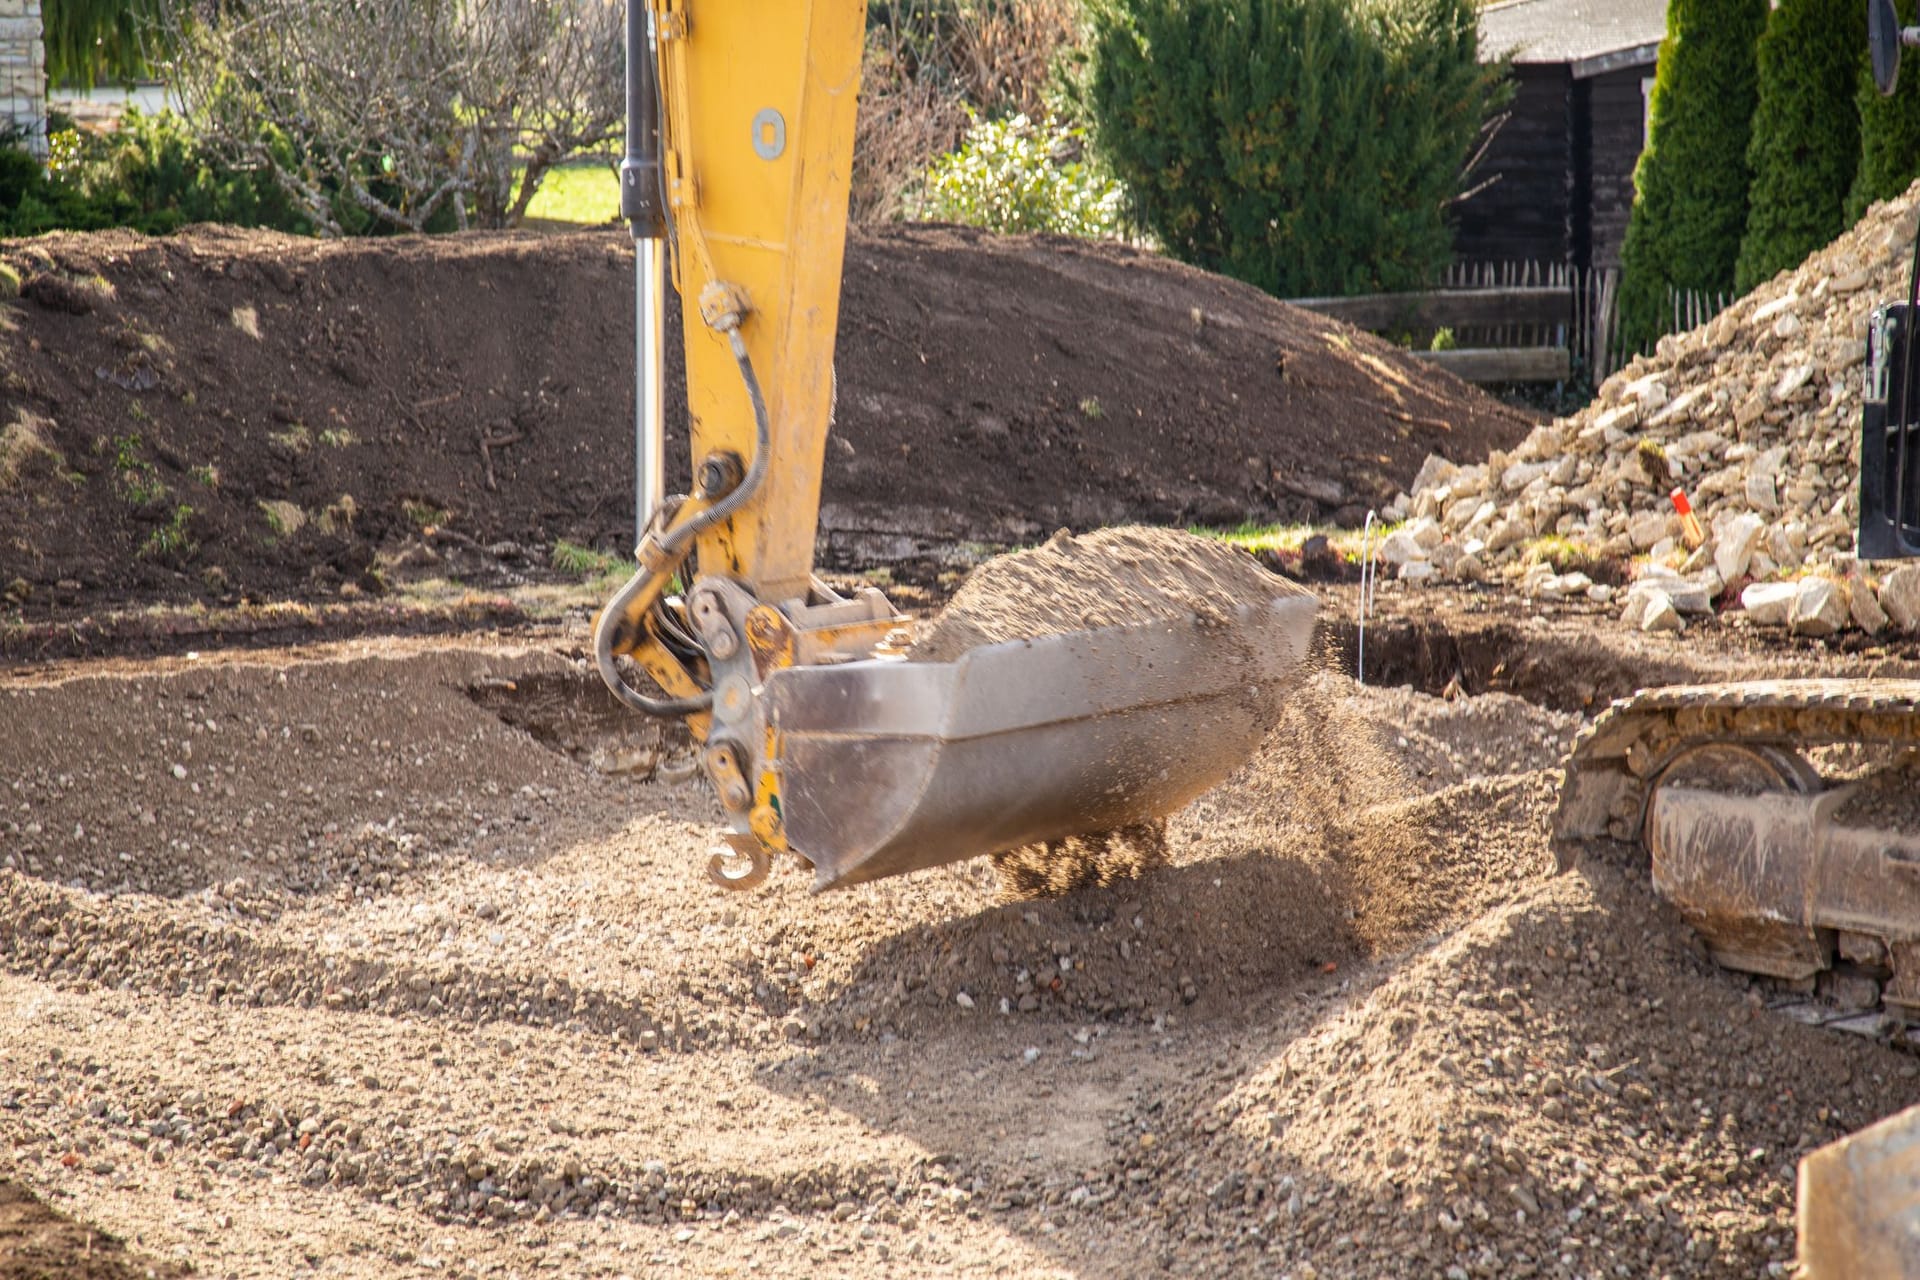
[1691, 183]
[1889, 134]
[1304, 146]
[88, 39]
[1806, 134]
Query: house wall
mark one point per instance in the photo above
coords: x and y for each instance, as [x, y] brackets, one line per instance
[1617, 131]
[1524, 213]
[23, 78]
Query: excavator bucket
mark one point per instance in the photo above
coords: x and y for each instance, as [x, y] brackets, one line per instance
[893, 766]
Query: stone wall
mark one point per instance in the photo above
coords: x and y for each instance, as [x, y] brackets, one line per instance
[23, 79]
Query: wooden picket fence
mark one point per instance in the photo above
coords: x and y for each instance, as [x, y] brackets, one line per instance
[1514, 321]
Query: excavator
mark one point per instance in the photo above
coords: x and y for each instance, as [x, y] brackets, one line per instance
[820, 738]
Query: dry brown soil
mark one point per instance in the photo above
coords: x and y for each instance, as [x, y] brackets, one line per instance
[990, 391]
[394, 956]
[349, 961]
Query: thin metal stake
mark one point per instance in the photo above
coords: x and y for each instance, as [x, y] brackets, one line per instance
[1369, 574]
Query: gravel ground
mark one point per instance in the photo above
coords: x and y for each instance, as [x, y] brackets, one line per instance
[324, 963]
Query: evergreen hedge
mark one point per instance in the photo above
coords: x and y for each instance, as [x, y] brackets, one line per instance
[1806, 134]
[1692, 180]
[1304, 146]
[1889, 134]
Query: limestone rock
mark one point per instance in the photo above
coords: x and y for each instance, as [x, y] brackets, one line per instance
[1734, 544]
[1900, 597]
[1819, 607]
[1867, 613]
[1659, 613]
[1769, 604]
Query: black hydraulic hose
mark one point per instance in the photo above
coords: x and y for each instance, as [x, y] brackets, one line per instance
[642, 189]
[677, 543]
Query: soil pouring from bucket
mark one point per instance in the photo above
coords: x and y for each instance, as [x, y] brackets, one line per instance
[1074, 695]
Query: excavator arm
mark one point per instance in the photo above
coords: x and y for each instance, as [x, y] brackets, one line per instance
[816, 736]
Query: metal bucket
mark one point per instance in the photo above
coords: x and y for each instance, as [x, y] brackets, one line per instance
[890, 766]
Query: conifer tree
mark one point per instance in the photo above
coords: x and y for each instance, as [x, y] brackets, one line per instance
[1304, 146]
[1806, 134]
[1690, 202]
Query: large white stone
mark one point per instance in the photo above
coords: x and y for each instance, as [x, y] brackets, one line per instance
[1867, 613]
[1400, 548]
[1659, 614]
[1819, 607]
[1769, 604]
[1434, 472]
[1650, 527]
[1900, 597]
[1734, 544]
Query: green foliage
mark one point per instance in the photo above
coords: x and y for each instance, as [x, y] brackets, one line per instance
[1012, 176]
[1889, 134]
[88, 40]
[173, 540]
[585, 563]
[1806, 134]
[148, 174]
[1691, 183]
[1305, 146]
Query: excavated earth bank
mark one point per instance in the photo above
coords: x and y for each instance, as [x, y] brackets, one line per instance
[223, 415]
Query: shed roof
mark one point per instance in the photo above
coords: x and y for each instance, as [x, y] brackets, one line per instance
[1592, 35]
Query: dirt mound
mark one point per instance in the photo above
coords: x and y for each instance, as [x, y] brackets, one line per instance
[221, 412]
[1110, 578]
[1562, 1087]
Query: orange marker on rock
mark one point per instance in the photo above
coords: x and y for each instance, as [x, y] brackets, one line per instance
[1688, 521]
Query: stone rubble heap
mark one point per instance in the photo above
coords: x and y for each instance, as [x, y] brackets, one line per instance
[1755, 415]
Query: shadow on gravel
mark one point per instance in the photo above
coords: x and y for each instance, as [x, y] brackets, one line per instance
[38, 1244]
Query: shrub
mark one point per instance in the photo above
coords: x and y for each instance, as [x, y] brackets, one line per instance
[1304, 146]
[1806, 134]
[927, 64]
[1011, 176]
[1889, 135]
[1691, 183]
[149, 174]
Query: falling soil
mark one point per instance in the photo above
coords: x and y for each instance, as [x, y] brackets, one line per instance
[1115, 577]
[223, 414]
[349, 962]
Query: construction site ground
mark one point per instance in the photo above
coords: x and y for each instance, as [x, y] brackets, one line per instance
[351, 935]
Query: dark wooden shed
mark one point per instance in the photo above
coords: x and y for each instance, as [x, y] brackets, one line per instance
[1558, 175]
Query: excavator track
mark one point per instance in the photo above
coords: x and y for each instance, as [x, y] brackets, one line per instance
[1616, 760]
[1771, 863]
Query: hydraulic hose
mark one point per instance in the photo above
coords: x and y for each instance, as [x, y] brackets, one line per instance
[671, 548]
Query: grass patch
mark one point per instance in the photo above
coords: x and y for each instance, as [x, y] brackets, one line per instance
[1289, 538]
[139, 483]
[171, 541]
[25, 443]
[1564, 555]
[583, 194]
[338, 438]
[585, 563]
[299, 440]
[424, 516]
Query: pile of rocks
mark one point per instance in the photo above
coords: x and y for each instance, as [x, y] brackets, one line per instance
[1754, 416]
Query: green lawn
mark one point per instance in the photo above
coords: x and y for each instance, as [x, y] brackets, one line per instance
[587, 194]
